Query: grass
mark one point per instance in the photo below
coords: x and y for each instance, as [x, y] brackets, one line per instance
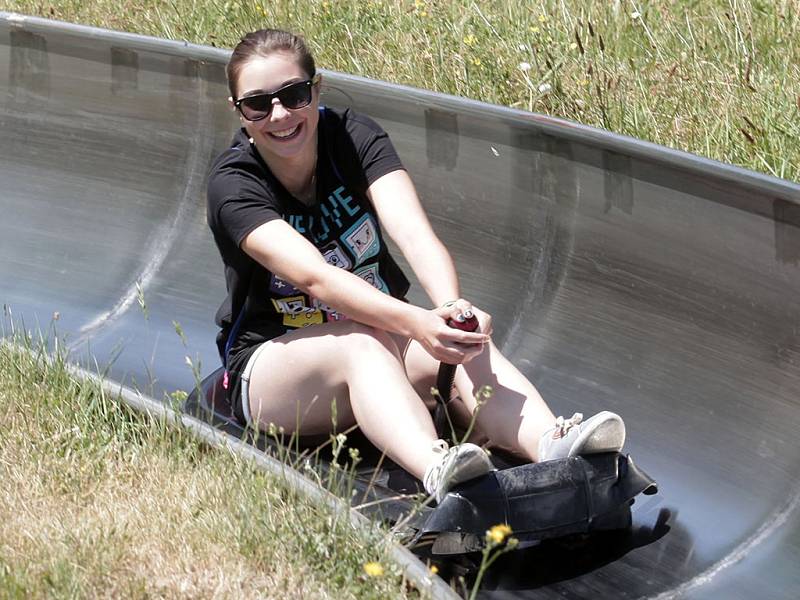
[719, 78]
[98, 501]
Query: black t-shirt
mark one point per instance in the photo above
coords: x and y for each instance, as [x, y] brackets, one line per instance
[353, 152]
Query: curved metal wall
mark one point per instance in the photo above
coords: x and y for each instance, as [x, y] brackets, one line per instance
[621, 275]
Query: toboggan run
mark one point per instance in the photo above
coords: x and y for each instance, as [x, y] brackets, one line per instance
[621, 275]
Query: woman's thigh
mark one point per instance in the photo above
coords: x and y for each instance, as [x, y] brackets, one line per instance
[299, 380]
[421, 368]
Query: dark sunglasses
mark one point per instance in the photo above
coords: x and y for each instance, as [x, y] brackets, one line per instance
[292, 96]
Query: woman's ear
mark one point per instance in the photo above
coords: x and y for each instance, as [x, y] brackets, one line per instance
[316, 87]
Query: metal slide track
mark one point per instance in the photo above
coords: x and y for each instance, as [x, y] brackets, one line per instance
[621, 275]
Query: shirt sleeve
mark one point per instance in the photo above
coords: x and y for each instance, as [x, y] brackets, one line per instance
[375, 152]
[238, 217]
[238, 204]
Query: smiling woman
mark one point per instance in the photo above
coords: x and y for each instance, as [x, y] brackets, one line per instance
[277, 96]
[315, 326]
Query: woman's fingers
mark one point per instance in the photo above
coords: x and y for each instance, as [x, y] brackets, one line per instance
[456, 346]
[459, 310]
[452, 344]
[484, 321]
[459, 336]
[455, 355]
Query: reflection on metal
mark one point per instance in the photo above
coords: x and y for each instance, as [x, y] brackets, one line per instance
[787, 231]
[30, 67]
[441, 138]
[124, 70]
[617, 182]
[621, 275]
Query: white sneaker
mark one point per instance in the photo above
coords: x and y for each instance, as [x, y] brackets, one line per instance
[456, 465]
[604, 432]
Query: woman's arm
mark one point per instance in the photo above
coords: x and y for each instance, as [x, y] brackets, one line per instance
[283, 251]
[402, 216]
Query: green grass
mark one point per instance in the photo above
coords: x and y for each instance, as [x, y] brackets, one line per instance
[99, 501]
[720, 78]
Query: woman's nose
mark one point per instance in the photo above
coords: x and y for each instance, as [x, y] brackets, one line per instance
[279, 111]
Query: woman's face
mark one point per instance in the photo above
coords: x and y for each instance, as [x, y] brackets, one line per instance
[284, 133]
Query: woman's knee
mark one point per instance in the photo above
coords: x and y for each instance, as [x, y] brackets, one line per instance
[365, 341]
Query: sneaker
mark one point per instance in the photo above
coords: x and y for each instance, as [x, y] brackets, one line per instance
[604, 432]
[456, 465]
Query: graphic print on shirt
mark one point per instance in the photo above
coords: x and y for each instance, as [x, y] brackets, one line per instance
[336, 256]
[371, 276]
[281, 287]
[331, 314]
[347, 236]
[336, 211]
[334, 208]
[296, 313]
[362, 239]
[303, 320]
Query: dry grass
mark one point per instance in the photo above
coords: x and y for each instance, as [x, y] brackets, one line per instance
[99, 502]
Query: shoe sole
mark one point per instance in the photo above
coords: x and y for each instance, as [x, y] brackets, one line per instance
[471, 463]
[604, 432]
[475, 463]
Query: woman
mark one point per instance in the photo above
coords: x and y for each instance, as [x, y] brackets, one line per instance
[315, 326]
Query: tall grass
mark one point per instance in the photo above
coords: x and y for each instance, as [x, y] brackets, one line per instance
[98, 501]
[720, 78]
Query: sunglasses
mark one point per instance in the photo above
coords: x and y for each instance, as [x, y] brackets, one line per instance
[292, 96]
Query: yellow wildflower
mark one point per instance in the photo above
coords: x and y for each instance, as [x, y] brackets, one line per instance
[498, 534]
[424, 13]
[534, 29]
[470, 40]
[476, 61]
[373, 569]
[542, 18]
[433, 569]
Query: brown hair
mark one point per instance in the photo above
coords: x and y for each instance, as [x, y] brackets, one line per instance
[265, 42]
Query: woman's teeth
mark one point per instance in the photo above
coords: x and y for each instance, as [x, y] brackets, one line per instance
[285, 133]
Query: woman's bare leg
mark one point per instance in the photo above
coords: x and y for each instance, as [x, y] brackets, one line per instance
[298, 377]
[514, 417]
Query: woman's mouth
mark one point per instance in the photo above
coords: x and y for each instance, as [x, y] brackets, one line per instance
[285, 134]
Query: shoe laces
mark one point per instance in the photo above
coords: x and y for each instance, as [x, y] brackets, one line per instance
[434, 473]
[564, 425]
[440, 446]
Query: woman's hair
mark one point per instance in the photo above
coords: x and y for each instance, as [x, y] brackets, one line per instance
[264, 43]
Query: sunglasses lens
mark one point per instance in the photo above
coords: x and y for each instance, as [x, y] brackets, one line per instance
[296, 95]
[256, 107]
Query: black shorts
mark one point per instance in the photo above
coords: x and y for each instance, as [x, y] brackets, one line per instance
[236, 365]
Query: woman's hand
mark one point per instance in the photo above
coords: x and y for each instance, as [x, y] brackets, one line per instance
[447, 344]
[460, 310]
